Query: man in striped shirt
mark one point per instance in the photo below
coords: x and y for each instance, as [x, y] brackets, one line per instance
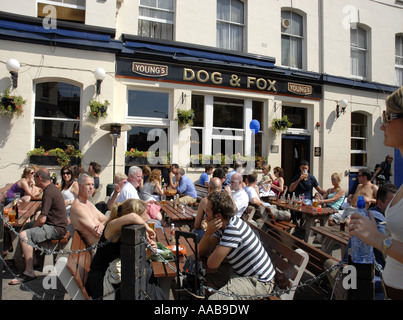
[248, 271]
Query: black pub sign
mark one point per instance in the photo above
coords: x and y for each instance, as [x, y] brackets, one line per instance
[216, 77]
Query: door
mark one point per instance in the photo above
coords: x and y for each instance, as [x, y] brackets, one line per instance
[294, 149]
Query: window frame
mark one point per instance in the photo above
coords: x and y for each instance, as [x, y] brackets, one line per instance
[364, 138]
[232, 23]
[358, 50]
[158, 20]
[399, 67]
[300, 38]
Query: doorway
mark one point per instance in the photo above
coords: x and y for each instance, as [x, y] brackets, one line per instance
[293, 150]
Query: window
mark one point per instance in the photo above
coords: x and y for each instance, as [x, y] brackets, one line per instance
[68, 10]
[156, 19]
[358, 140]
[57, 115]
[230, 24]
[148, 114]
[225, 127]
[292, 37]
[399, 60]
[359, 52]
[297, 116]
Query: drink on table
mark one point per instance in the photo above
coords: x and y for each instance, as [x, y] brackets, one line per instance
[151, 223]
[314, 203]
[163, 199]
[342, 226]
[11, 216]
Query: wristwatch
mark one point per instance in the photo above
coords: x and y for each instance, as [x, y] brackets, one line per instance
[386, 245]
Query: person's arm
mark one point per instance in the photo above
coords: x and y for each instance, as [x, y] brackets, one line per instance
[295, 184]
[209, 242]
[200, 213]
[27, 189]
[367, 231]
[320, 189]
[114, 227]
[336, 197]
[376, 173]
[90, 226]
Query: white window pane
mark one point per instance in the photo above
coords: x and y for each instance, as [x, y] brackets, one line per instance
[222, 35]
[399, 46]
[166, 4]
[285, 51]
[399, 77]
[236, 38]
[237, 14]
[296, 23]
[223, 9]
[149, 3]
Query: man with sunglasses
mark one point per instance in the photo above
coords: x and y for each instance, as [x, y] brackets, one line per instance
[243, 266]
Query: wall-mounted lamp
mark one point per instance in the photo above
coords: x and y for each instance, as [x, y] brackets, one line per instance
[341, 107]
[99, 74]
[13, 66]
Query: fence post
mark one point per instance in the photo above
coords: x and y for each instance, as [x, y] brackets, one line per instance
[1, 250]
[133, 263]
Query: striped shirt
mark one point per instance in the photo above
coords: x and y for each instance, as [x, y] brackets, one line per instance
[247, 256]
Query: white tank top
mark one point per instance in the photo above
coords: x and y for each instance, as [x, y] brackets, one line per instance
[393, 273]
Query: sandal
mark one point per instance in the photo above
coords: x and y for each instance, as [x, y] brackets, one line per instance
[21, 279]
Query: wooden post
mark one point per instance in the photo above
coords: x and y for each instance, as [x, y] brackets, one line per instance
[133, 259]
[1, 250]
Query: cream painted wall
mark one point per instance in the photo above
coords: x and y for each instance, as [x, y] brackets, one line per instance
[72, 66]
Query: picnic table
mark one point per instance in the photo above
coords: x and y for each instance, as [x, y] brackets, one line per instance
[182, 215]
[331, 236]
[309, 215]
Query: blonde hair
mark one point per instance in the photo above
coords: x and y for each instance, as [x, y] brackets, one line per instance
[336, 176]
[128, 206]
[394, 102]
[155, 175]
[119, 176]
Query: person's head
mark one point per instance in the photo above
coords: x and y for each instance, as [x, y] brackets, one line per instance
[175, 168]
[77, 169]
[238, 166]
[220, 174]
[392, 120]
[67, 176]
[28, 173]
[120, 179]
[236, 181]
[252, 177]
[209, 169]
[94, 168]
[385, 195]
[86, 184]
[225, 168]
[146, 171]
[220, 205]
[155, 175]
[278, 172]
[266, 169]
[136, 206]
[181, 172]
[135, 176]
[364, 175]
[304, 166]
[336, 178]
[389, 158]
[215, 184]
[42, 178]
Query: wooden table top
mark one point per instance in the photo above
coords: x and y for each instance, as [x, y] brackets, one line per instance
[333, 232]
[177, 214]
[25, 211]
[309, 210]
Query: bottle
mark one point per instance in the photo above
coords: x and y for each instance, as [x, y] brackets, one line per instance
[53, 178]
[15, 208]
[361, 252]
[172, 238]
[288, 199]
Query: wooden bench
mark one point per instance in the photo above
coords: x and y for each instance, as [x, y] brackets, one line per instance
[289, 263]
[73, 271]
[3, 191]
[317, 258]
[202, 191]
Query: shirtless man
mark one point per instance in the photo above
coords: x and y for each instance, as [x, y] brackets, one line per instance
[365, 188]
[85, 217]
[215, 184]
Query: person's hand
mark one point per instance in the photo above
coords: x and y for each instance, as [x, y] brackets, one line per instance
[150, 233]
[213, 225]
[365, 229]
[228, 189]
[303, 176]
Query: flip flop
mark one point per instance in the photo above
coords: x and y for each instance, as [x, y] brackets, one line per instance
[21, 279]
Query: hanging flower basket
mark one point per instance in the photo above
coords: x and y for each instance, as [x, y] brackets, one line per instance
[186, 117]
[280, 125]
[55, 157]
[11, 105]
[98, 109]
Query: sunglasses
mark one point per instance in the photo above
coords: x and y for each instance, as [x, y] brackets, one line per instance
[388, 117]
[64, 173]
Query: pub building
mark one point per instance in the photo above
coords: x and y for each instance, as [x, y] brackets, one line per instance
[334, 120]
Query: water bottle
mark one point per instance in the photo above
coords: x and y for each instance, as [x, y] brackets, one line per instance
[361, 252]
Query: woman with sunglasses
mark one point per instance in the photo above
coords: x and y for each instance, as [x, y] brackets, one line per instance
[366, 229]
[278, 183]
[69, 187]
[25, 187]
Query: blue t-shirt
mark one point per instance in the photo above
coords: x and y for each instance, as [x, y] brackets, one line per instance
[203, 178]
[186, 187]
[305, 186]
